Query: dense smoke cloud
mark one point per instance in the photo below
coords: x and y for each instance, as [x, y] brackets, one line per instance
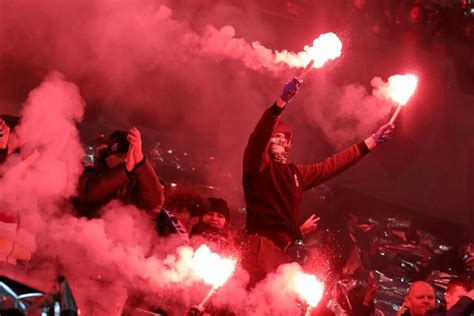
[49, 164]
[135, 63]
[139, 64]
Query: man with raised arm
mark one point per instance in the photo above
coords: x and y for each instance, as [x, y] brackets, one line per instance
[273, 187]
[121, 172]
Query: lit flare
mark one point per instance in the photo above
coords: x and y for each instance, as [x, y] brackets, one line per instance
[326, 47]
[213, 269]
[401, 88]
[308, 288]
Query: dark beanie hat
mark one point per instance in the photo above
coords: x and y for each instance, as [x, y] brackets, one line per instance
[117, 143]
[219, 206]
[282, 127]
[11, 120]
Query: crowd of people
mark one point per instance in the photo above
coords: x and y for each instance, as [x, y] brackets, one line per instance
[272, 186]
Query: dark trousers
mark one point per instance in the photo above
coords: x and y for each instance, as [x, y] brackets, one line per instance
[260, 257]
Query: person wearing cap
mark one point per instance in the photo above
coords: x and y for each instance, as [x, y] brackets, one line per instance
[213, 225]
[273, 187]
[9, 141]
[121, 172]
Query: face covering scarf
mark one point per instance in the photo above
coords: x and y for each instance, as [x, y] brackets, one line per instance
[280, 157]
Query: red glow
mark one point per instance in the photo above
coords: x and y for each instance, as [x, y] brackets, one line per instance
[213, 269]
[326, 47]
[308, 288]
[401, 88]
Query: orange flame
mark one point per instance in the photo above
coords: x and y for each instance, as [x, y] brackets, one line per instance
[308, 288]
[213, 269]
[326, 47]
[401, 88]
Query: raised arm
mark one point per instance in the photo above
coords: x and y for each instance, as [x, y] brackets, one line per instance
[256, 154]
[314, 174]
[150, 191]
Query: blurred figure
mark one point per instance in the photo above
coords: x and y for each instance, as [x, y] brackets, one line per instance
[459, 299]
[121, 172]
[362, 297]
[273, 188]
[414, 32]
[366, 17]
[9, 141]
[419, 300]
[213, 225]
[16, 243]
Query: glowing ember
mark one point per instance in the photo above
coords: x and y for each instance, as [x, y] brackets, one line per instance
[308, 288]
[326, 47]
[401, 88]
[213, 269]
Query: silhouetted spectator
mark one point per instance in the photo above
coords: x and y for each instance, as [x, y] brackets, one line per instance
[121, 172]
[459, 299]
[414, 32]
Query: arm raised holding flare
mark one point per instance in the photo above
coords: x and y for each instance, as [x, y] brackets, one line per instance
[273, 187]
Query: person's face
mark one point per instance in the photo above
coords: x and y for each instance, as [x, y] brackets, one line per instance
[185, 218]
[421, 299]
[279, 143]
[453, 296]
[214, 219]
[415, 15]
[115, 159]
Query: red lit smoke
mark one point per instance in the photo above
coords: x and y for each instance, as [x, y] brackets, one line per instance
[135, 63]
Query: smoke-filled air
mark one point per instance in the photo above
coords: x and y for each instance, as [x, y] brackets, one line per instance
[193, 79]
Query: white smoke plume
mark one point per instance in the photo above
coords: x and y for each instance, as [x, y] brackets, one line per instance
[348, 114]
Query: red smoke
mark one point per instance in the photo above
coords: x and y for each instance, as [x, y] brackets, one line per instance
[134, 63]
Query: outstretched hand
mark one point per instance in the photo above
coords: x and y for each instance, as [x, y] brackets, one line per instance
[135, 151]
[309, 225]
[290, 89]
[384, 133]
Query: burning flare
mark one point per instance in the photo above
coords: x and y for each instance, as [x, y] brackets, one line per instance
[326, 47]
[213, 269]
[401, 87]
[308, 288]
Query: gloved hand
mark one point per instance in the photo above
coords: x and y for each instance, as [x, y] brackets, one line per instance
[383, 133]
[290, 89]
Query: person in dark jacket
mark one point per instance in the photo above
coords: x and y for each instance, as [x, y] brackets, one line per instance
[213, 226]
[459, 299]
[273, 187]
[419, 300]
[121, 172]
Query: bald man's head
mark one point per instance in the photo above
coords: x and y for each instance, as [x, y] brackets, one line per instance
[420, 298]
